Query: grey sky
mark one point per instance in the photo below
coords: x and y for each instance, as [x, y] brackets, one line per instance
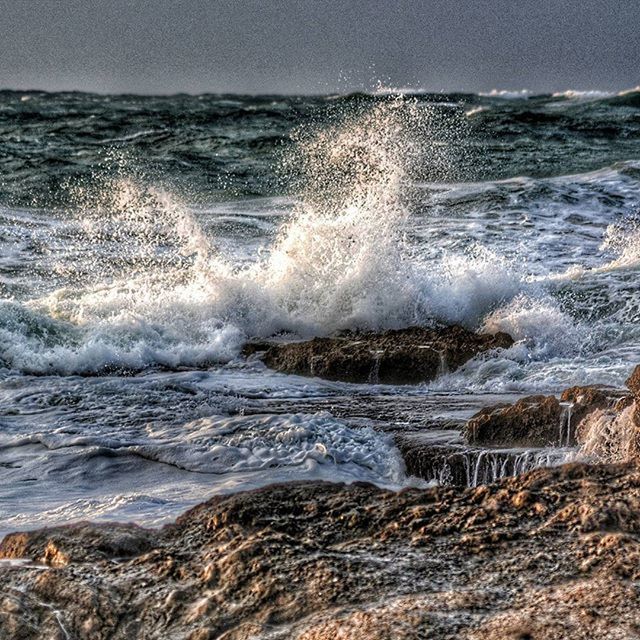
[163, 46]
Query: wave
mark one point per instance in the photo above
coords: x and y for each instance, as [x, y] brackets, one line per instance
[574, 94]
[628, 98]
[146, 285]
[507, 94]
[158, 290]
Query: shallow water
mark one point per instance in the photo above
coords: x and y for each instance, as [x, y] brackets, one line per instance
[144, 240]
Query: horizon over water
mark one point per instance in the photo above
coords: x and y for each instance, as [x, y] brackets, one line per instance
[372, 88]
[146, 239]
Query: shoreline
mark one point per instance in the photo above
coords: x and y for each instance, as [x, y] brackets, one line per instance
[525, 557]
[549, 553]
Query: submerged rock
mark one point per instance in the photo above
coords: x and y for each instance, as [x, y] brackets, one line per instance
[534, 421]
[552, 554]
[404, 356]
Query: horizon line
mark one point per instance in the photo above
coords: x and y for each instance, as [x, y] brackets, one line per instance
[381, 91]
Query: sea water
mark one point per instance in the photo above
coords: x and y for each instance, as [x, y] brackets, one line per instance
[145, 240]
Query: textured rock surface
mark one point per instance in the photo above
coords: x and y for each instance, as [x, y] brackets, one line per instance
[81, 542]
[551, 554]
[587, 399]
[633, 381]
[534, 421]
[405, 356]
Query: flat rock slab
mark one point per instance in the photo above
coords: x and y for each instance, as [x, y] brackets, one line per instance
[534, 421]
[403, 356]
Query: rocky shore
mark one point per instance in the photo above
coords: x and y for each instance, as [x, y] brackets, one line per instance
[552, 554]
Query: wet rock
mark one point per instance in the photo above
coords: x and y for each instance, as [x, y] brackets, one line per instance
[80, 542]
[534, 421]
[457, 464]
[633, 381]
[405, 356]
[560, 549]
[584, 400]
[603, 421]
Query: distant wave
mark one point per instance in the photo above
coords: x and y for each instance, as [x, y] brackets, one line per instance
[508, 94]
[573, 94]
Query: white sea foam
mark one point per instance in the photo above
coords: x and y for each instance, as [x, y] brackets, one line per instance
[626, 92]
[144, 283]
[591, 94]
[508, 94]
[548, 330]
[250, 443]
[474, 111]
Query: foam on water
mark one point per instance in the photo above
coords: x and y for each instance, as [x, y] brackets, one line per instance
[140, 281]
[507, 94]
[249, 443]
[141, 461]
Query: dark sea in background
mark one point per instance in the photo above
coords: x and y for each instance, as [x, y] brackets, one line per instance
[144, 240]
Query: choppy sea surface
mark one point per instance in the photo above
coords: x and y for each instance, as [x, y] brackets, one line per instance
[144, 240]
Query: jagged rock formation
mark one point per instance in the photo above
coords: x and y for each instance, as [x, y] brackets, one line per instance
[633, 383]
[404, 356]
[551, 554]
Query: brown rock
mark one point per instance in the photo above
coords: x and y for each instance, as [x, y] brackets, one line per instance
[534, 421]
[555, 545]
[633, 381]
[587, 399]
[405, 356]
[80, 542]
[592, 396]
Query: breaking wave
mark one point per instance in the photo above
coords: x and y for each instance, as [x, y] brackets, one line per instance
[142, 282]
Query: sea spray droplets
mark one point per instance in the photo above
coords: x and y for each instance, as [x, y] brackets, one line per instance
[135, 226]
[537, 321]
[623, 238]
[342, 260]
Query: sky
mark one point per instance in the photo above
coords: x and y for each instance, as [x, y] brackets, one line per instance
[318, 46]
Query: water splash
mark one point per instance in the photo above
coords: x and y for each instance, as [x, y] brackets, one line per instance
[537, 321]
[609, 437]
[145, 283]
[155, 289]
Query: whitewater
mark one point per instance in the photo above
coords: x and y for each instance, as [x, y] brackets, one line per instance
[142, 249]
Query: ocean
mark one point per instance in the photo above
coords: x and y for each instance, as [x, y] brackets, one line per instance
[144, 240]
